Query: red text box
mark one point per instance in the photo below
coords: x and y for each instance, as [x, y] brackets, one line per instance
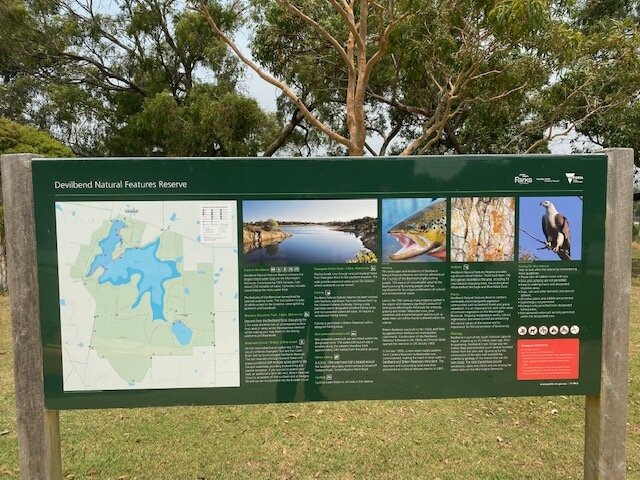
[548, 359]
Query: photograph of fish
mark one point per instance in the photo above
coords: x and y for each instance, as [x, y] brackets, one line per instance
[483, 229]
[550, 229]
[290, 232]
[415, 229]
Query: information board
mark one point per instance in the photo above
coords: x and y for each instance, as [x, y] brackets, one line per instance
[228, 281]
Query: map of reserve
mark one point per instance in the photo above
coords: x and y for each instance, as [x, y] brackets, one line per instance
[148, 294]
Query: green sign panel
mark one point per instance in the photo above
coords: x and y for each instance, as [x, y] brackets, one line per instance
[224, 281]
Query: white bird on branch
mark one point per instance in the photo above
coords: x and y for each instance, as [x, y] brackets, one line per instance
[556, 231]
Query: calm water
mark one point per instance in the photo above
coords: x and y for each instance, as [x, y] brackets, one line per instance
[309, 244]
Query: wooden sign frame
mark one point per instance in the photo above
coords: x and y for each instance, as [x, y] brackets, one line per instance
[38, 428]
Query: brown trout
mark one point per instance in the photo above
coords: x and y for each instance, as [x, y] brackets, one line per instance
[424, 232]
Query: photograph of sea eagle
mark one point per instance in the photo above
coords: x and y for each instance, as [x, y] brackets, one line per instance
[550, 228]
[557, 232]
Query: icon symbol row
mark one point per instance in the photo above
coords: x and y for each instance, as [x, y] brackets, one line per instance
[552, 330]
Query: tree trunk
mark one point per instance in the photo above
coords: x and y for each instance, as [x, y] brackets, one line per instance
[483, 229]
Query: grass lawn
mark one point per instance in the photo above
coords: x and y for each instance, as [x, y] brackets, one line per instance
[495, 438]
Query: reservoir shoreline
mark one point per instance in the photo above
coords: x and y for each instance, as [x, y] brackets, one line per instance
[307, 243]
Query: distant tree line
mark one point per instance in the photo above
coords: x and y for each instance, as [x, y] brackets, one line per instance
[359, 224]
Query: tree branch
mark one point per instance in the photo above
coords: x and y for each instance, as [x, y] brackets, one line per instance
[312, 119]
[288, 129]
[399, 105]
[107, 72]
[451, 135]
[390, 136]
[321, 31]
[346, 12]
[370, 150]
[383, 43]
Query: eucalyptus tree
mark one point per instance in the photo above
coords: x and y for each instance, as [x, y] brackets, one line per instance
[535, 73]
[343, 40]
[437, 76]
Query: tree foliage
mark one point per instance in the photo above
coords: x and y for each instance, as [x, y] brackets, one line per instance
[271, 225]
[128, 78]
[441, 76]
[618, 126]
[16, 138]
[163, 77]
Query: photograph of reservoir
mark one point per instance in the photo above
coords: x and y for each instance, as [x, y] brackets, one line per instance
[415, 229]
[289, 232]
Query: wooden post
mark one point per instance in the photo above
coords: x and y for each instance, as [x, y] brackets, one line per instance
[606, 414]
[38, 430]
[52, 438]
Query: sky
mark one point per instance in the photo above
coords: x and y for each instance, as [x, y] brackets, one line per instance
[531, 220]
[319, 211]
[265, 93]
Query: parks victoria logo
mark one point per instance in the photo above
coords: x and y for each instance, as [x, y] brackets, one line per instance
[523, 179]
[573, 178]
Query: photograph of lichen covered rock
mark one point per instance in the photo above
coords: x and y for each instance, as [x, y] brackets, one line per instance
[483, 229]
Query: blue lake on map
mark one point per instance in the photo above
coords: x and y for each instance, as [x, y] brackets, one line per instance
[108, 246]
[309, 244]
[142, 261]
[182, 333]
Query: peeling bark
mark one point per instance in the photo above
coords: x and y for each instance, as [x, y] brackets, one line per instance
[483, 229]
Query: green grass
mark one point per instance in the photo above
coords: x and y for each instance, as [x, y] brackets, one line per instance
[496, 438]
